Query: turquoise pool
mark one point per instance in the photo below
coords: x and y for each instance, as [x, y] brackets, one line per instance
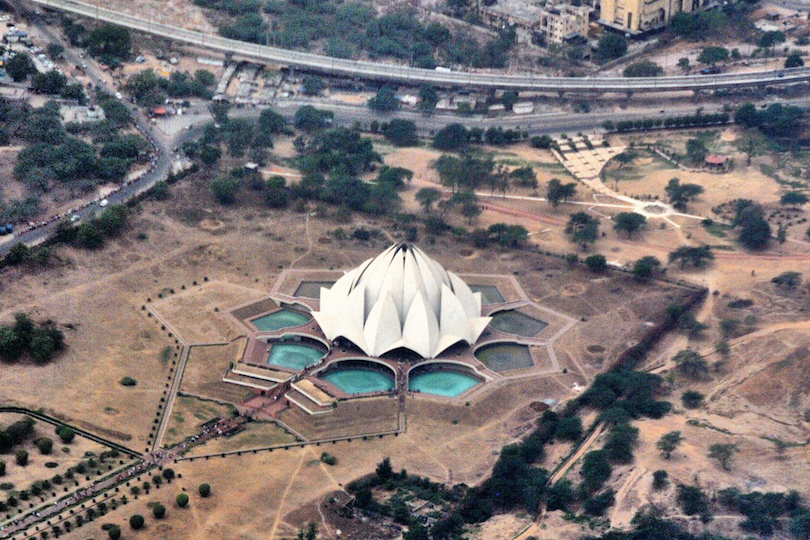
[489, 294]
[360, 380]
[515, 322]
[442, 383]
[505, 356]
[283, 318]
[294, 355]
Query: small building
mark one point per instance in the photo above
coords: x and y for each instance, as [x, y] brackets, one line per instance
[523, 107]
[160, 111]
[716, 163]
[532, 23]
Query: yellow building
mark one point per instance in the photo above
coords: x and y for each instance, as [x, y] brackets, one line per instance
[642, 15]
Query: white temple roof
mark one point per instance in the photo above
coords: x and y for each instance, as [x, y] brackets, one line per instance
[401, 298]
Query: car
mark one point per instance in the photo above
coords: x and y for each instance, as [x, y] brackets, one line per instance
[103, 202]
[781, 75]
[74, 218]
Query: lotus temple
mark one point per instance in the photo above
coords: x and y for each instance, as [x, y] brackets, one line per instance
[398, 325]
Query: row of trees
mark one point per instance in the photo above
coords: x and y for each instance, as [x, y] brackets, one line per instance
[696, 120]
[150, 89]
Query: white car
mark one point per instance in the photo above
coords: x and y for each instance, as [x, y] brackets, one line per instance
[74, 218]
[103, 202]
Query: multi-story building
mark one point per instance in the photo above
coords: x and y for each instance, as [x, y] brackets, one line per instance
[636, 16]
[549, 24]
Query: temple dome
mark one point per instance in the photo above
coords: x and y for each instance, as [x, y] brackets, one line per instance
[401, 298]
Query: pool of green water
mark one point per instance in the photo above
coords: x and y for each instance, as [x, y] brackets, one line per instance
[284, 318]
[360, 380]
[442, 383]
[294, 355]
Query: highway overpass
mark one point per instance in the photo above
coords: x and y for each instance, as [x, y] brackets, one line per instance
[405, 74]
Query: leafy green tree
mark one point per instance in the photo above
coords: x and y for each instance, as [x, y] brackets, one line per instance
[136, 521]
[723, 453]
[89, 235]
[692, 500]
[628, 222]
[401, 132]
[569, 428]
[425, 197]
[182, 500]
[713, 54]
[696, 150]
[597, 505]
[205, 490]
[114, 532]
[668, 443]
[210, 155]
[611, 46]
[557, 191]
[308, 118]
[691, 364]
[560, 495]
[771, 38]
[384, 470]
[385, 100]
[112, 220]
[755, 232]
[693, 256]
[313, 85]
[111, 44]
[582, 228]
[451, 137]
[793, 60]
[159, 511]
[19, 67]
[51, 82]
[794, 198]
[45, 445]
[595, 470]
[645, 68]
[511, 236]
[225, 189]
[660, 480]
[596, 263]
[620, 442]
[21, 458]
[428, 97]
[680, 194]
[309, 533]
[747, 115]
[542, 141]
[65, 434]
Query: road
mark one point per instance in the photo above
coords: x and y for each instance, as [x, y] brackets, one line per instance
[406, 74]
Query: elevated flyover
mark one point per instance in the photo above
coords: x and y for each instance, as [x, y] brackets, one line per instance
[404, 74]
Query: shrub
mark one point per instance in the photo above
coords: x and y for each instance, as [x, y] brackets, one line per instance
[205, 490]
[597, 505]
[45, 445]
[114, 532]
[66, 434]
[692, 399]
[596, 263]
[128, 381]
[159, 511]
[329, 459]
[182, 500]
[21, 458]
[660, 480]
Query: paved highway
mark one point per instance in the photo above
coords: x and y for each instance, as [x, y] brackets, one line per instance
[390, 72]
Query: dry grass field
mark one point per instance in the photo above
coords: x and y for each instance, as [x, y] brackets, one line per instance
[236, 254]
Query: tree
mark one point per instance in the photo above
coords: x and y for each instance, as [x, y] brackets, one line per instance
[680, 194]
[65, 434]
[560, 495]
[385, 100]
[629, 222]
[789, 280]
[712, 55]
[645, 268]
[51, 82]
[557, 191]
[620, 442]
[182, 500]
[683, 63]
[384, 470]
[19, 67]
[159, 511]
[541, 141]
[668, 443]
[692, 399]
[451, 137]
[225, 189]
[45, 445]
[771, 38]
[568, 428]
[694, 256]
[136, 521]
[696, 150]
[582, 228]
[205, 490]
[308, 118]
[793, 60]
[660, 480]
[723, 453]
[596, 263]
[645, 68]
[692, 500]
[611, 46]
[401, 132]
[89, 236]
[595, 470]
[747, 115]
[110, 43]
[21, 458]
[428, 97]
[793, 198]
[313, 85]
[755, 232]
[690, 364]
[114, 532]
